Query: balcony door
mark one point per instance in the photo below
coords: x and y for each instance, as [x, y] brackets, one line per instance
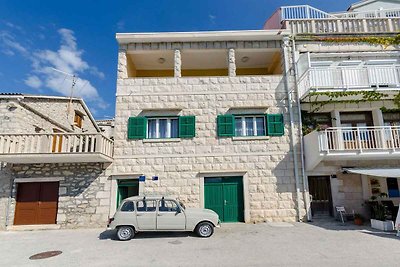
[354, 133]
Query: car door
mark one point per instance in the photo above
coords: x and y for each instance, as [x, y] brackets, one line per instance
[146, 214]
[170, 216]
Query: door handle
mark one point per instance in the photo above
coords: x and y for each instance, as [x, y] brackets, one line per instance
[225, 202]
[159, 214]
[139, 214]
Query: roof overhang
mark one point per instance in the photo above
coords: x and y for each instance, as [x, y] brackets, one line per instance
[378, 172]
[206, 36]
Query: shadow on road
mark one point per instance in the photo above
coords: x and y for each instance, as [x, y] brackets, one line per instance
[111, 234]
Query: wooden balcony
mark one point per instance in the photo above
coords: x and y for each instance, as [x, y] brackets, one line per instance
[352, 143]
[305, 19]
[55, 148]
[370, 78]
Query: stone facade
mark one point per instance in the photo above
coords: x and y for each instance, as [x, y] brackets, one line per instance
[266, 163]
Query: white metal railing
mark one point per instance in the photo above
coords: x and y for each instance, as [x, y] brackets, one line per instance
[382, 13]
[67, 143]
[347, 78]
[361, 139]
[303, 12]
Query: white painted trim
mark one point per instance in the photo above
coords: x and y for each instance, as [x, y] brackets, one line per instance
[161, 140]
[121, 176]
[248, 35]
[224, 173]
[40, 179]
[250, 138]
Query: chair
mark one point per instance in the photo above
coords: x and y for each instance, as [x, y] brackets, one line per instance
[343, 215]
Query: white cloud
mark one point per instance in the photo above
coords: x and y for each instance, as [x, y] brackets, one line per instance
[212, 18]
[68, 58]
[10, 45]
[33, 81]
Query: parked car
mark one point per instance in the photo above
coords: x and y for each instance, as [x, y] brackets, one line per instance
[140, 214]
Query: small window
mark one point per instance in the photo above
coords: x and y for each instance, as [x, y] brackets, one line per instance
[167, 206]
[78, 119]
[146, 205]
[249, 125]
[393, 187]
[162, 128]
[128, 206]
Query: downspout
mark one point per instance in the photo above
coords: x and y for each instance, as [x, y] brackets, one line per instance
[292, 136]
[306, 194]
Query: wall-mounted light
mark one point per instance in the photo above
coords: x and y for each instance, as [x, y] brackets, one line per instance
[245, 59]
[161, 60]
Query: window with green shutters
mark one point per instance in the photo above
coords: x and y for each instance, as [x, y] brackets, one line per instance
[161, 127]
[226, 125]
[275, 125]
[229, 125]
[137, 127]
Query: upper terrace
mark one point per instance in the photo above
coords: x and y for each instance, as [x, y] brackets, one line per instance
[194, 54]
[304, 19]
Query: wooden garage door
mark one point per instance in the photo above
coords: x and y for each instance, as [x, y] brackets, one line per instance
[36, 203]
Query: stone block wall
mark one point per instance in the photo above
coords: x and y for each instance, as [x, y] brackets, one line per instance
[267, 163]
[84, 191]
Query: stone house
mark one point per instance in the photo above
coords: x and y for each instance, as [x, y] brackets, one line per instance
[209, 117]
[54, 163]
[348, 88]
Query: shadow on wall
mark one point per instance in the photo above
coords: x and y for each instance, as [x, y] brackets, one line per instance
[5, 191]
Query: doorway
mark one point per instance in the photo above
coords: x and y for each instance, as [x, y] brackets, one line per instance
[127, 188]
[320, 190]
[224, 195]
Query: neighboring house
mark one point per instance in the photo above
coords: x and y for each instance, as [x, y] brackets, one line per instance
[107, 127]
[349, 93]
[54, 163]
[205, 117]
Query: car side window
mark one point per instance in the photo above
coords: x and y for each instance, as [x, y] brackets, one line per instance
[128, 206]
[167, 206]
[146, 205]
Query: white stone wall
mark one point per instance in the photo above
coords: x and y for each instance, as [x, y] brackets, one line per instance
[267, 162]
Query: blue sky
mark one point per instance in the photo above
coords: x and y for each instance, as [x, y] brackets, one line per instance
[79, 37]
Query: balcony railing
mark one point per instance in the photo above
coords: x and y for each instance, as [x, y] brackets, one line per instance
[68, 147]
[361, 139]
[305, 19]
[352, 143]
[319, 79]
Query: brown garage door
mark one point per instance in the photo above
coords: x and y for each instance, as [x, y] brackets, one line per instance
[36, 203]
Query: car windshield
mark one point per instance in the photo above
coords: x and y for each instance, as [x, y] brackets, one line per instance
[182, 205]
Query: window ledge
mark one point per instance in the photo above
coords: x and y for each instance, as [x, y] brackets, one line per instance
[161, 140]
[245, 138]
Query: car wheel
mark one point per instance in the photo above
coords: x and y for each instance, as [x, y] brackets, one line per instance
[205, 229]
[125, 233]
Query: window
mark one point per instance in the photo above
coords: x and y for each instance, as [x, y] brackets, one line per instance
[128, 206]
[146, 205]
[393, 187]
[250, 126]
[78, 119]
[162, 128]
[167, 206]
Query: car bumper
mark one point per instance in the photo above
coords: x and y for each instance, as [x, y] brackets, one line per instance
[218, 224]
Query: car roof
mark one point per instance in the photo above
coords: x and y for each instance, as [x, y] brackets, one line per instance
[135, 198]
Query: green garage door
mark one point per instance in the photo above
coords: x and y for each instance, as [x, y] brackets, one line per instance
[224, 195]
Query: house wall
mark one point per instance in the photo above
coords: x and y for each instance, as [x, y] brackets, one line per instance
[376, 5]
[266, 163]
[5, 193]
[84, 192]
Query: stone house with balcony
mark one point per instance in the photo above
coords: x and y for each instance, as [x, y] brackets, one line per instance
[209, 118]
[54, 162]
[348, 89]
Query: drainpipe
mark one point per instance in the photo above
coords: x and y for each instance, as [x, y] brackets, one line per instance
[292, 136]
[306, 194]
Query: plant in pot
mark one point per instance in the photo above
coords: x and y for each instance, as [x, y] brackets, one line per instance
[358, 219]
[379, 214]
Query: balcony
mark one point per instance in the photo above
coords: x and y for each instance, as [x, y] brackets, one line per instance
[330, 79]
[55, 148]
[305, 19]
[352, 143]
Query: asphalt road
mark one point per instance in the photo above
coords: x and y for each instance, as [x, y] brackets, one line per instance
[277, 244]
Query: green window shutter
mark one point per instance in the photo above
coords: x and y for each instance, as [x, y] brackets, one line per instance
[275, 125]
[137, 127]
[187, 126]
[226, 125]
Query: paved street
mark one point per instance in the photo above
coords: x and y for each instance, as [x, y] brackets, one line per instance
[278, 244]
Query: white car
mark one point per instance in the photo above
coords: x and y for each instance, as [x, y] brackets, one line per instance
[140, 214]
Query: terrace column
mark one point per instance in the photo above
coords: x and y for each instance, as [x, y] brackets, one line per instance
[177, 63]
[231, 63]
[122, 72]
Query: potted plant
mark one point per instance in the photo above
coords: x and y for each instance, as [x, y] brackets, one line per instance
[358, 219]
[379, 214]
